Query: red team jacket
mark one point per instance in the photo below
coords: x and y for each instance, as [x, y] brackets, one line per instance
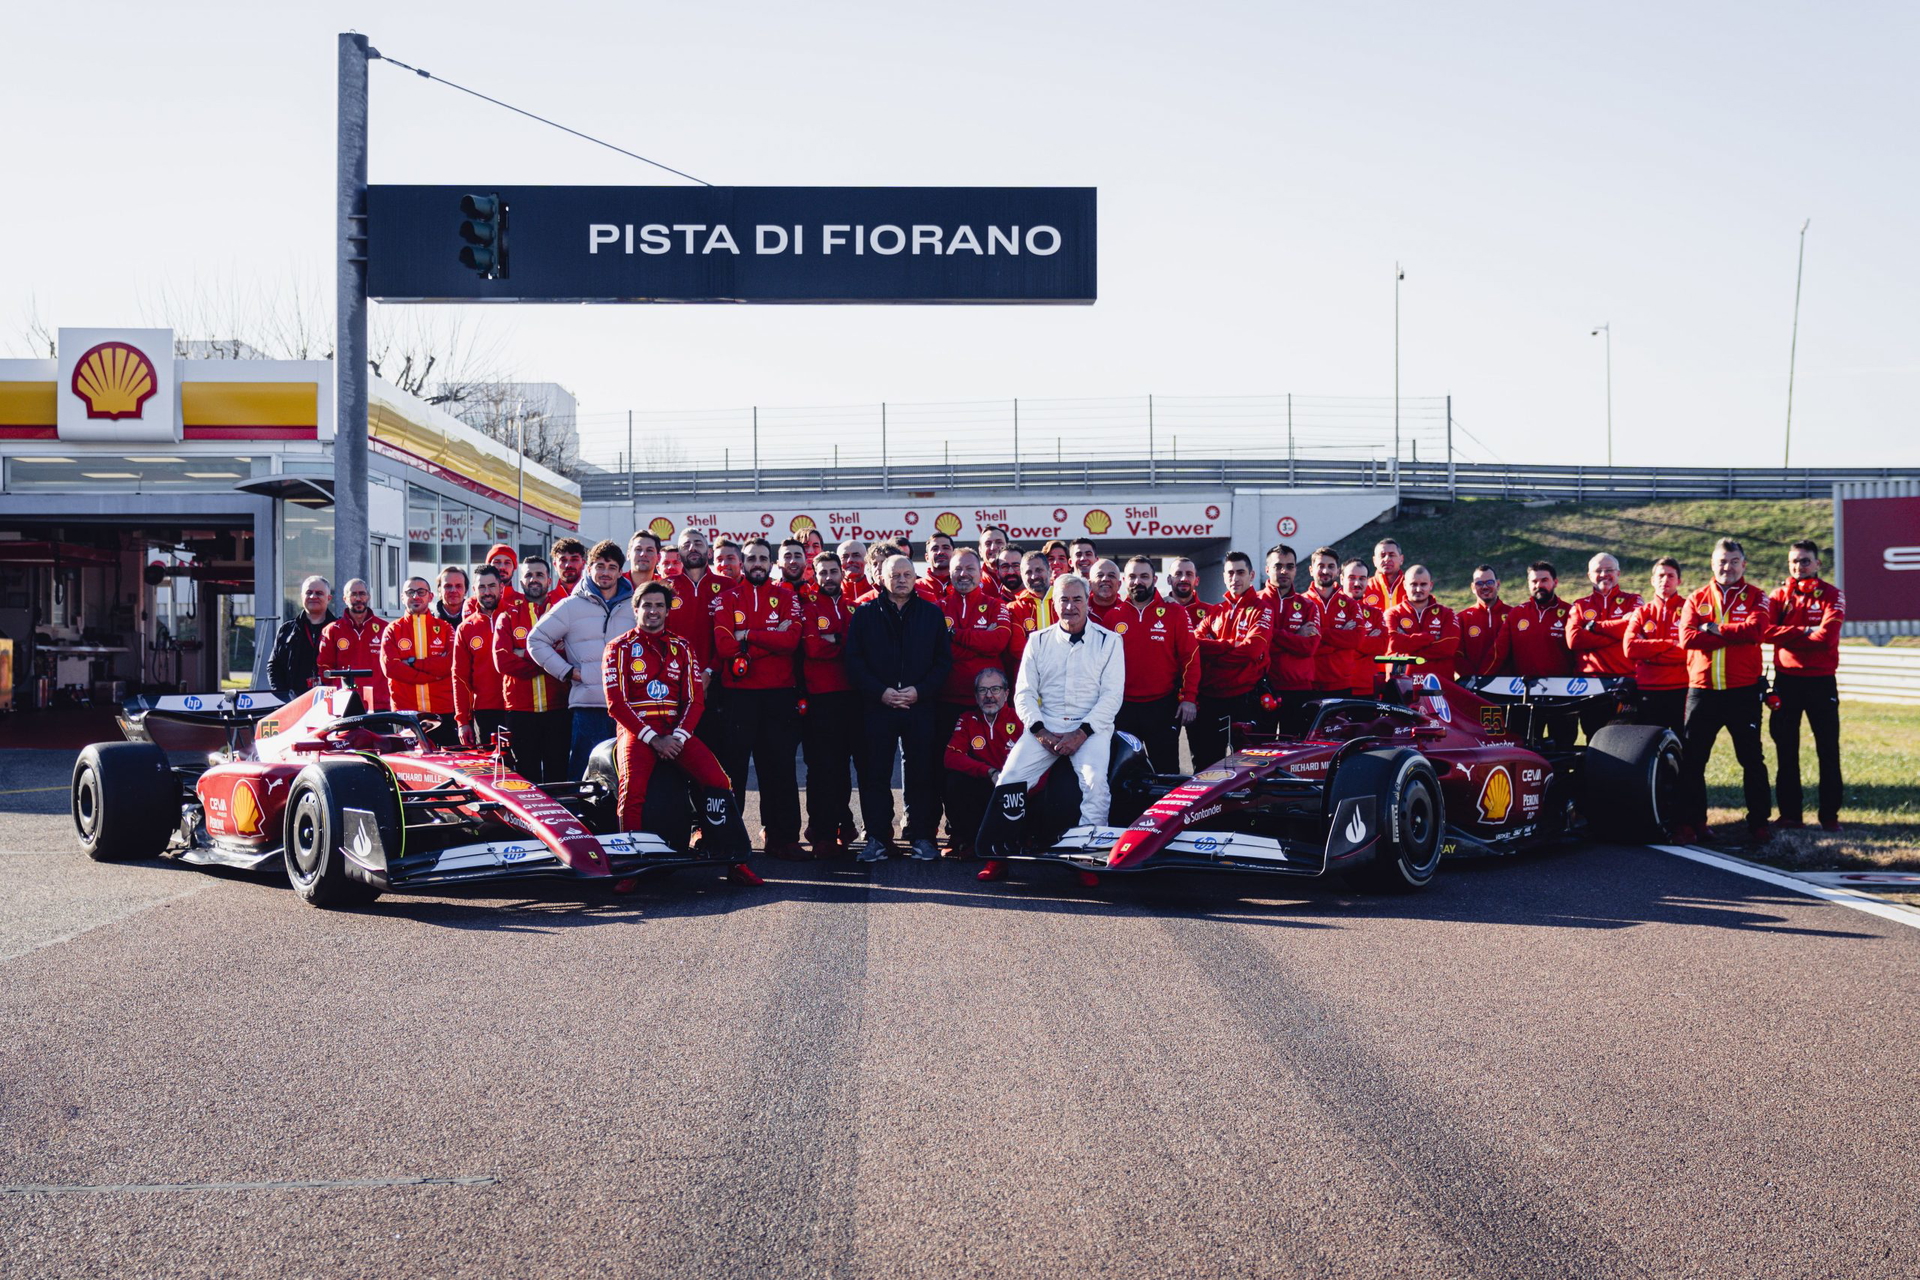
[1290, 665]
[1432, 633]
[977, 748]
[524, 685]
[984, 635]
[426, 685]
[1797, 606]
[1351, 637]
[1534, 639]
[476, 681]
[769, 653]
[653, 684]
[1235, 645]
[823, 641]
[346, 647]
[1158, 642]
[1730, 657]
[1652, 644]
[691, 615]
[1031, 612]
[1383, 595]
[1601, 651]
[1479, 628]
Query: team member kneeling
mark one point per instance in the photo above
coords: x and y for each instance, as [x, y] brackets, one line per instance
[1071, 684]
[655, 696]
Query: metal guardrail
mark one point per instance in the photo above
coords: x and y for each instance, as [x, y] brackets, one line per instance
[1418, 481]
[1871, 674]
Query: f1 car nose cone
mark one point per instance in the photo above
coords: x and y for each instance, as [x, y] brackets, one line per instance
[1130, 843]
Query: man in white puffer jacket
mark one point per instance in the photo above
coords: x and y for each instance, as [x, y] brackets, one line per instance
[1072, 682]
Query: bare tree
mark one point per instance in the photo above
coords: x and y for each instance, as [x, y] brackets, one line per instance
[662, 451]
[35, 333]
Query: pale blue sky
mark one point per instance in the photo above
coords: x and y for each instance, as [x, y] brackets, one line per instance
[1538, 169]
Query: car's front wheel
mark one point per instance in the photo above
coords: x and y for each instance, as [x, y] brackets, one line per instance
[1412, 814]
[317, 821]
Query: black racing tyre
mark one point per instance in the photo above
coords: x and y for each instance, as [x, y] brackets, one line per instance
[126, 801]
[1630, 782]
[316, 824]
[1129, 781]
[602, 816]
[1412, 812]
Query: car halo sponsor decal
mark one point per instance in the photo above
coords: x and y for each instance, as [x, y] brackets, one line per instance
[1213, 775]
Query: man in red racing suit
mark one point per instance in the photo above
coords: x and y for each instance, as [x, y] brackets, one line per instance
[655, 697]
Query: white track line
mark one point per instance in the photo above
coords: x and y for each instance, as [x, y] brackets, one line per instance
[1838, 897]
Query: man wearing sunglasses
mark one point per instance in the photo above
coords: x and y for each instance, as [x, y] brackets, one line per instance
[416, 656]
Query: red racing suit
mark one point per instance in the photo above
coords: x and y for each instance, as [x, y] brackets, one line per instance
[476, 680]
[1235, 645]
[1162, 655]
[1601, 650]
[976, 748]
[984, 635]
[1806, 631]
[1290, 666]
[1432, 633]
[1479, 629]
[347, 647]
[1534, 638]
[425, 683]
[524, 684]
[653, 690]
[1652, 644]
[1730, 657]
[769, 653]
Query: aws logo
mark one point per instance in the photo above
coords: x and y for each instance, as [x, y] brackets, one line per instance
[115, 380]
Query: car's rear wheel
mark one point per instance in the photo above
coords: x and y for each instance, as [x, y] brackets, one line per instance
[1630, 782]
[1413, 818]
[126, 801]
[316, 826]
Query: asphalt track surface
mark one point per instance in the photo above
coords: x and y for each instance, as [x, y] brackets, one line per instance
[1605, 1061]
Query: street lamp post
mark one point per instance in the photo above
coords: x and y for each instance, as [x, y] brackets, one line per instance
[1607, 329]
[1793, 350]
[1398, 276]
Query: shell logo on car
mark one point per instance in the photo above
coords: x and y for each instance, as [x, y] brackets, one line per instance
[246, 810]
[115, 380]
[1098, 521]
[1496, 795]
[660, 527]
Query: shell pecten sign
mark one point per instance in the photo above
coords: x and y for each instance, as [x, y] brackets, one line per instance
[117, 384]
[115, 380]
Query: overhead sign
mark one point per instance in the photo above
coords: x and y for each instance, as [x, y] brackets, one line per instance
[1028, 525]
[116, 384]
[731, 244]
[1880, 541]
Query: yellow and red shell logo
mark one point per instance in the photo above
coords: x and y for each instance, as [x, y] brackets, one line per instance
[515, 784]
[823, 622]
[1098, 521]
[115, 380]
[476, 643]
[1496, 795]
[343, 643]
[946, 522]
[660, 527]
[799, 525]
[1523, 624]
[979, 743]
[246, 809]
[1121, 629]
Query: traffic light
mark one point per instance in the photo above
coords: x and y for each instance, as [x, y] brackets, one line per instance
[485, 233]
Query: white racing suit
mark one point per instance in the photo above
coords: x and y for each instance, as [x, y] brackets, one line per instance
[1065, 682]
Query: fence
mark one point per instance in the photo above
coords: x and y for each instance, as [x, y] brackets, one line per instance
[1871, 674]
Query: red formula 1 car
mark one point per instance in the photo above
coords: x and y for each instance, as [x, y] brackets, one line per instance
[355, 803]
[1382, 788]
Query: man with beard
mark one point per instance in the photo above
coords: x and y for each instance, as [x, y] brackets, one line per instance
[1106, 589]
[479, 702]
[796, 570]
[1163, 667]
[416, 657]
[1296, 632]
[450, 601]
[1031, 608]
[898, 656]
[1184, 585]
[653, 697]
[1596, 636]
[295, 660]
[690, 616]
[1534, 638]
[1653, 642]
[1007, 572]
[504, 560]
[1236, 643]
[993, 540]
[1721, 627]
[1422, 627]
[1808, 612]
[983, 637]
[829, 731]
[569, 565]
[976, 752]
[1480, 624]
[351, 642]
[756, 634]
[1360, 666]
[933, 586]
[1387, 587]
[537, 719]
[1344, 634]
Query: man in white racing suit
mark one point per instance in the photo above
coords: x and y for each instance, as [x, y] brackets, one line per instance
[1071, 685]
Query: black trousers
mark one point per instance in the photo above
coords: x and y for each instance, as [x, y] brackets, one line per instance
[966, 800]
[763, 726]
[1152, 723]
[1738, 712]
[914, 733]
[542, 741]
[946, 715]
[485, 721]
[1819, 698]
[1207, 736]
[1664, 707]
[1596, 714]
[830, 735]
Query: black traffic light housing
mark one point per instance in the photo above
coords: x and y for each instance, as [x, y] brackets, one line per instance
[485, 233]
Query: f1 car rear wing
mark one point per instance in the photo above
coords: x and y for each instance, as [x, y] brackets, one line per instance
[197, 724]
[1545, 688]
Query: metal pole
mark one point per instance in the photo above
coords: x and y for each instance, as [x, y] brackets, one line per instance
[1398, 276]
[1453, 490]
[633, 504]
[1786, 452]
[756, 448]
[1290, 437]
[1153, 476]
[520, 489]
[1016, 443]
[350, 546]
[1607, 330]
[885, 481]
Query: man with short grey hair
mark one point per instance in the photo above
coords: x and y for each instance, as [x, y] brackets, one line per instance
[295, 662]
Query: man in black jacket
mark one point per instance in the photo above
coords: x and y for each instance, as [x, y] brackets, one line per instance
[296, 649]
[898, 656]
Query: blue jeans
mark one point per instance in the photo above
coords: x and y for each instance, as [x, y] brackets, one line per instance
[591, 727]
